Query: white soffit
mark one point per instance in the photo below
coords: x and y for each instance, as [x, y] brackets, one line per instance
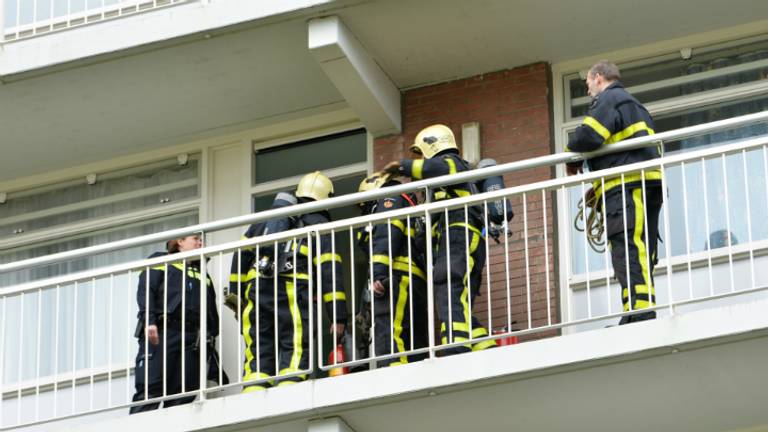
[365, 86]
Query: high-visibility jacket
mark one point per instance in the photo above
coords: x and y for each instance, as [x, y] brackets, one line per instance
[331, 278]
[445, 163]
[391, 246]
[614, 116]
[160, 301]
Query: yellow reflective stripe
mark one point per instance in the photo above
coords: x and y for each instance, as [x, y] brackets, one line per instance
[465, 293]
[254, 376]
[291, 370]
[451, 166]
[483, 345]
[406, 266]
[629, 131]
[638, 238]
[439, 195]
[597, 127]
[416, 168]
[180, 267]
[401, 263]
[336, 295]
[326, 257]
[462, 192]
[302, 276]
[397, 325]
[247, 332]
[303, 249]
[466, 225]
[251, 275]
[408, 232]
[457, 339]
[611, 183]
[639, 304]
[290, 289]
[247, 248]
[462, 326]
[380, 259]
[639, 289]
[474, 243]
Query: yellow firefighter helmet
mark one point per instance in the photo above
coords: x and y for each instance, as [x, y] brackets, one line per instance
[434, 139]
[315, 185]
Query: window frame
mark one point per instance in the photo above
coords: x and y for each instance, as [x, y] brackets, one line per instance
[285, 183]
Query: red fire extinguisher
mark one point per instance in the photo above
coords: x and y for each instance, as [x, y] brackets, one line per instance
[504, 341]
[336, 356]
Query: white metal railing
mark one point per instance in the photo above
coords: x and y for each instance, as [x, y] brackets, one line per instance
[517, 289]
[21, 19]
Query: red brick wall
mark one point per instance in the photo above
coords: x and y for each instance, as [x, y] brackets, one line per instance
[513, 109]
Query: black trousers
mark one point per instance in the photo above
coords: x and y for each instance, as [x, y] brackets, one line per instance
[394, 324]
[152, 366]
[632, 226]
[458, 271]
[265, 357]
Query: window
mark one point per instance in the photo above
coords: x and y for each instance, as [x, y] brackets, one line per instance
[73, 214]
[715, 83]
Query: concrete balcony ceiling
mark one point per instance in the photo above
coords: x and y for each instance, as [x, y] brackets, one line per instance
[81, 96]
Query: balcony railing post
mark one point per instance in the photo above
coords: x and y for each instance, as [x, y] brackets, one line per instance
[203, 335]
[430, 277]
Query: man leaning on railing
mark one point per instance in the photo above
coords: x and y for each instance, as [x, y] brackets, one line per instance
[632, 202]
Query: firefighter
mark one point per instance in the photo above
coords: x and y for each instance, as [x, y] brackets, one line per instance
[275, 349]
[457, 268]
[161, 334]
[614, 116]
[398, 280]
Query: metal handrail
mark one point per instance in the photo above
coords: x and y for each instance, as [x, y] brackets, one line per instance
[354, 198]
[359, 221]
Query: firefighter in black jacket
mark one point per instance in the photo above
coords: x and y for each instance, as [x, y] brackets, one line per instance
[398, 280]
[614, 116]
[183, 287]
[257, 279]
[456, 289]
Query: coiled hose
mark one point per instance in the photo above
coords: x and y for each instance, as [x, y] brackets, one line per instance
[595, 226]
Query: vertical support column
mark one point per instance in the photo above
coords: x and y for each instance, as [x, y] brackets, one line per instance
[356, 75]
